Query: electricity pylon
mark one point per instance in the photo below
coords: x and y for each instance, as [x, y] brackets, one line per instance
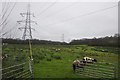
[27, 34]
[62, 37]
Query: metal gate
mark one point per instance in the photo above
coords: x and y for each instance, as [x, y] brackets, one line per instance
[17, 71]
[98, 70]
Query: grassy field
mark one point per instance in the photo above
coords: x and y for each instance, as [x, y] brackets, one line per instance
[55, 61]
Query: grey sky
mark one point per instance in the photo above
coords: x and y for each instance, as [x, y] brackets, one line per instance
[73, 19]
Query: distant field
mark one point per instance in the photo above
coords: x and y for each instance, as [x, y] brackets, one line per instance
[55, 61]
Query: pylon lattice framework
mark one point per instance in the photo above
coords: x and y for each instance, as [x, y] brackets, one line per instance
[27, 34]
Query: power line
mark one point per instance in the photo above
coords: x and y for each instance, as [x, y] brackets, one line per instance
[83, 15]
[3, 21]
[47, 8]
[3, 8]
[8, 15]
[6, 23]
[4, 11]
[7, 8]
[90, 13]
[9, 30]
[59, 11]
[2, 28]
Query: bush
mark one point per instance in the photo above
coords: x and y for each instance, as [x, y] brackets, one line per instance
[56, 56]
[49, 59]
[20, 57]
[36, 61]
[38, 56]
[6, 49]
[77, 56]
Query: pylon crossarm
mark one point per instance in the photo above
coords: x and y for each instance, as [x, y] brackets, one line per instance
[26, 28]
[26, 21]
[22, 14]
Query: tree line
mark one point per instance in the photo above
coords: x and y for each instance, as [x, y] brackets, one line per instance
[33, 41]
[112, 41]
[105, 41]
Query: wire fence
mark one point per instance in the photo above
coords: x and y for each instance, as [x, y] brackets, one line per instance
[17, 71]
[98, 70]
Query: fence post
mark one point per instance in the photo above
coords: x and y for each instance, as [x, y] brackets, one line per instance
[114, 71]
[118, 71]
[31, 67]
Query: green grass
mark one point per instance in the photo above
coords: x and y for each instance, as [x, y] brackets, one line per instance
[49, 63]
[54, 69]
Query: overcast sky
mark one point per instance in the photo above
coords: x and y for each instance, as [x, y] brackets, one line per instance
[76, 20]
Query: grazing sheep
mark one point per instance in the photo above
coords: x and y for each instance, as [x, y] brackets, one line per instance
[89, 60]
[78, 64]
[4, 56]
[5, 44]
[56, 50]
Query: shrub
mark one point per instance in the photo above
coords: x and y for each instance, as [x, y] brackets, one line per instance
[77, 56]
[6, 49]
[38, 56]
[56, 56]
[20, 57]
[36, 61]
[49, 59]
